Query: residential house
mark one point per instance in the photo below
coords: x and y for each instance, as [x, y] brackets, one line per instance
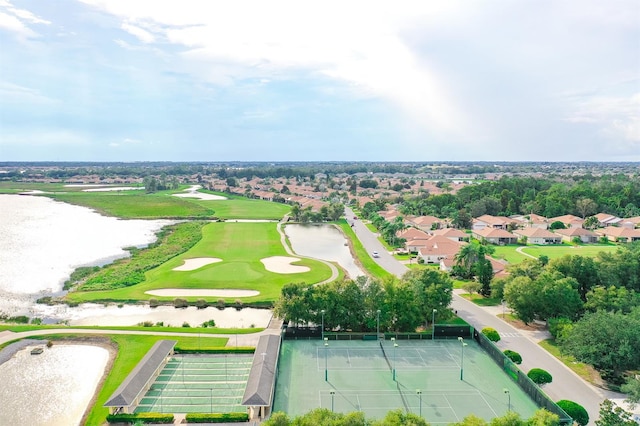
[630, 222]
[437, 248]
[494, 222]
[538, 236]
[452, 233]
[495, 236]
[569, 221]
[426, 223]
[620, 235]
[533, 221]
[605, 219]
[585, 235]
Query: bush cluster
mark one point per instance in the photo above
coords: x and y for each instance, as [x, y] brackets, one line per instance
[513, 356]
[217, 417]
[576, 411]
[491, 334]
[539, 376]
[141, 417]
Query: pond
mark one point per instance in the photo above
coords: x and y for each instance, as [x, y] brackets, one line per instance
[323, 241]
[53, 388]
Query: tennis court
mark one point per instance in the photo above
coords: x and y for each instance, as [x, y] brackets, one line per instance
[199, 384]
[360, 377]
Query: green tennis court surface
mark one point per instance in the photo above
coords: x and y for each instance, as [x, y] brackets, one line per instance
[199, 384]
[360, 378]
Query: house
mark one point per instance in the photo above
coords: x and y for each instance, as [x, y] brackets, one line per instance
[532, 221]
[426, 223]
[605, 219]
[585, 235]
[495, 236]
[569, 221]
[452, 233]
[538, 236]
[437, 248]
[413, 234]
[494, 222]
[630, 222]
[620, 235]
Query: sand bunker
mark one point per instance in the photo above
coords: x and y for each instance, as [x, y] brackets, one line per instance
[192, 192]
[199, 292]
[283, 265]
[197, 262]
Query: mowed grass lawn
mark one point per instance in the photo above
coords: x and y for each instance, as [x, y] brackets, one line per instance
[510, 254]
[237, 207]
[136, 204]
[241, 246]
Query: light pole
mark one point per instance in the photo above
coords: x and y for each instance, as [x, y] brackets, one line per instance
[433, 324]
[326, 371]
[378, 325]
[395, 345]
[419, 392]
[509, 400]
[462, 357]
[211, 400]
[503, 304]
[333, 393]
[322, 331]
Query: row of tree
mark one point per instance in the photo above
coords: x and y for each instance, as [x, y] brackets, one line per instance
[403, 304]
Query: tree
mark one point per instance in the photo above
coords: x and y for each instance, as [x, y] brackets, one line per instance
[514, 356]
[543, 417]
[612, 415]
[583, 269]
[632, 389]
[576, 411]
[610, 341]
[586, 207]
[400, 418]
[557, 225]
[612, 299]
[491, 334]
[590, 223]
[539, 376]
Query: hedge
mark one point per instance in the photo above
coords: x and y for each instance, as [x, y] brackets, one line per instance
[513, 356]
[539, 376]
[491, 334]
[225, 350]
[217, 417]
[143, 417]
[576, 411]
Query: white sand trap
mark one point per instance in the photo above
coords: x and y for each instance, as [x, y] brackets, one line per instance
[200, 292]
[192, 192]
[283, 265]
[197, 262]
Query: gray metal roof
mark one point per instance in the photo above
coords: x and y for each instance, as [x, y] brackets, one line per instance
[259, 390]
[129, 389]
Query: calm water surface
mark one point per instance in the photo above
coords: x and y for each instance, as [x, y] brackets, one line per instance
[324, 242]
[51, 389]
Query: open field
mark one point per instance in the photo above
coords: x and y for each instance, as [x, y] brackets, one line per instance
[241, 246]
[510, 254]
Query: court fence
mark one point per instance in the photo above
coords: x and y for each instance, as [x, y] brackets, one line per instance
[523, 381]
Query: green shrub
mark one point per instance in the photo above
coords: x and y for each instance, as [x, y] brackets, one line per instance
[186, 325]
[210, 323]
[539, 376]
[201, 304]
[513, 356]
[491, 334]
[153, 303]
[141, 417]
[217, 417]
[557, 326]
[180, 303]
[238, 304]
[576, 411]
[221, 304]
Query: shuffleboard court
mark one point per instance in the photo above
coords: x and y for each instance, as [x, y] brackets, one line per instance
[421, 377]
[199, 384]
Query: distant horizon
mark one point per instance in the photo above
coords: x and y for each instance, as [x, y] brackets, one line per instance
[169, 80]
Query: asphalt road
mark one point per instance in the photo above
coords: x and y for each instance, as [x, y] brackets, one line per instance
[566, 384]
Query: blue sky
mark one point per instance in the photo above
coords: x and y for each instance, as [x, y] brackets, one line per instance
[424, 80]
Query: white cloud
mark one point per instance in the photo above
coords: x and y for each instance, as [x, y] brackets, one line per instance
[16, 20]
[142, 35]
[619, 117]
[16, 94]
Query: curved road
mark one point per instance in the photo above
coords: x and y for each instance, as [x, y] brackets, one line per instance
[566, 384]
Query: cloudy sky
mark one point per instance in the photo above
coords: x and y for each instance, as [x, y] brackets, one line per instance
[424, 80]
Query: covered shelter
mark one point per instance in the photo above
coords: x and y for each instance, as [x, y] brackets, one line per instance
[259, 393]
[126, 398]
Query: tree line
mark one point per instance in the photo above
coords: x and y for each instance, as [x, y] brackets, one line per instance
[404, 304]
